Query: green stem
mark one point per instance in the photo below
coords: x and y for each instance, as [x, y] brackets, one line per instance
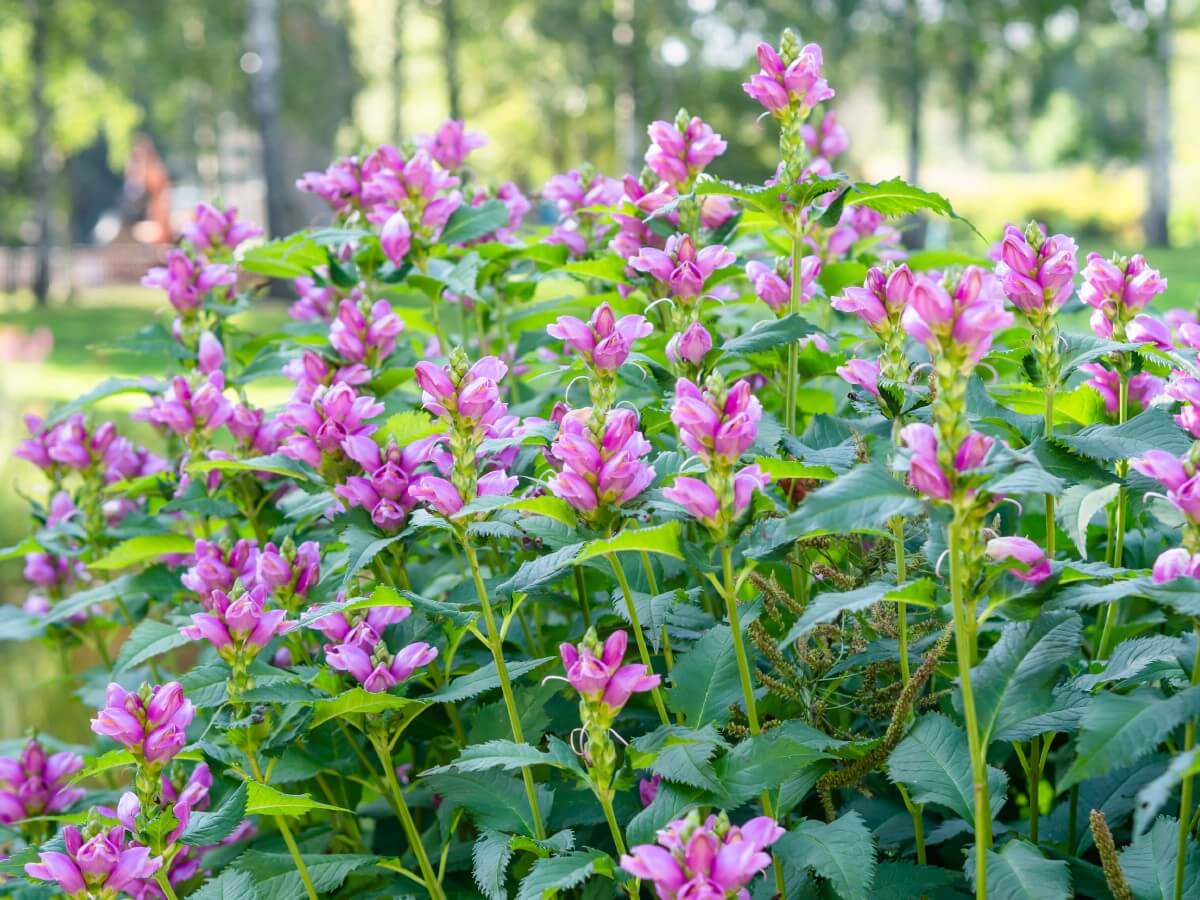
[1185, 790]
[652, 584]
[636, 626]
[285, 831]
[514, 719]
[605, 797]
[1051, 528]
[793, 358]
[901, 608]
[164, 883]
[406, 819]
[1108, 635]
[1035, 778]
[918, 824]
[963, 640]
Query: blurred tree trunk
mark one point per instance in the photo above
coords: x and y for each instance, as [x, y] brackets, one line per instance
[1158, 131]
[913, 235]
[450, 57]
[40, 12]
[398, 73]
[262, 37]
[625, 101]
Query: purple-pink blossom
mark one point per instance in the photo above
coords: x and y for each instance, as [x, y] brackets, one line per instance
[212, 228]
[35, 783]
[383, 491]
[601, 470]
[702, 502]
[1034, 566]
[965, 319]
[716, 428]
[151, 723]
[773, 286]
[190, 407]
[1175, 563]
[377, 669]
[605, 341]
[188, 281]
[926, 474]
[1178, 476]
[238, 628]
[828, 140]
[1141, 390]
[1037, 274]
[709, 858]
[679, 152]
[451, 143]
[365, 332]
[690, 346]
[881, 299]
[788, 84]
[364, 629]
[103, 865]
[1117, 289]
[599, 675]
[214, 568]
[862, 373]
[679, 267]
[323, 424]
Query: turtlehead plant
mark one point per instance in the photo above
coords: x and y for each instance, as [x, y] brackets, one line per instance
[688, 538]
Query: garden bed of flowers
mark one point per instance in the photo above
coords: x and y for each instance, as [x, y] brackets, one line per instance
[704, 544]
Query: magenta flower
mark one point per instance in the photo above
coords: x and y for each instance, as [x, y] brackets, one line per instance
[475, 397]
[1143, 388]
[377, 669]
[702, 503]
[395, 238]
[35, 784]
[679, 152]
[323, 424]
[1185, 388]
[679, 268]
[214, 229]
[210, 355]
[788, 84]
[1178, 477]
[187, 281]
[102, 866]
[1175, 563]
[716, 428]
[862, 373]
[363, 629]
[364, 332]
[605, 341]
[604, 470]
[451, 143]
[340, 185]
[828, 140]
[185, 409]
[1116, 290]
[68, 445]
[238, 628]
[881, 299]
[572, 191]
[965, 321]
[774, 286]
[310, 372]
[1146, 329]
[690, 346]
[648, 789]
[384, 490]
[317, 300]
[709, 859]
[597, 672]
[1037, 274]
[926, 474]
[1035, 567]
[443, 497]
[151, 723]
[214, 569]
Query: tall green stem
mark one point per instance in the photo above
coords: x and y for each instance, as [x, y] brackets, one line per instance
[163, 879]
[636, 626]
[964, 650]
[1118, 533]
[901, 608]
[510, 703]
[285, 832]
[793, 358]
[1185, 790]
[406, 820]
[1051, 528]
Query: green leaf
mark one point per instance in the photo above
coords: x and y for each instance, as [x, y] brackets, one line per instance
[231, 884]
[490, 857]
[764, 762]
[896, 197]
[485, 678]
[1119, 729]
[470, 222]
[606, 267]
[1020, 872]
[705, 679]
[148, 640]
[141, 548]
[1129, 658]
[546, 505]
[561, 873]
[934, 764]
[110, 387]
[493, 799]
[362, 546]
[1156, 793]
[276, 877]
[498, 754]
[841, 851]
[828, 606]
[27, 545]
[1091, 500]
[288, 257]
[357, 701]
[1149, 863]
[768, 334]
[264, 800]
[662, 539]
[539, 572]
[793, 468]
[212, 827]
[865, 499]
[1153, 429]
[688, 761]
[406, 427]
[671, 802]
[904, 880]
[275, 463]
[1013, 682]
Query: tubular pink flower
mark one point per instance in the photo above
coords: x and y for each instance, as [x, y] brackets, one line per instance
[690, 346]
[214, 229]
[151, 724]
[714, 430]
[863, 373]
[451, 143]
[605, 341]
[795, 84]
[187, 281]
[679, 268]
[1176, 563]
[678, 152]
[1036, 567]
[34, 784]
[600, 470]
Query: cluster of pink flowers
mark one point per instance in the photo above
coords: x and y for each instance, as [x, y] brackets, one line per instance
[644, 199]
[604, 342]
[324, 422]
[213, 568]
[1034, 566]
[704, 857]
[151, 723]
[1116, 290]
[365, 332]
[926, 473]
[238, 628]
[186, 408]
[451, 144]
[577, 195]
[961, 318]
[318, 299]
[1141, 389]
[789, 79]
[601, 469]
[102, 865]
[600, 675]
[357, 647]
[1037, 272]
[69, 446]
[188, 281]
[213, 229]
[773, 285]
[35, 784]
[679, 152]
[384, 490]
[686, 349]
[828, 140]
[679, 269]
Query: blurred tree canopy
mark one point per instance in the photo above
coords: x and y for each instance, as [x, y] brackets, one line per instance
[553, 82]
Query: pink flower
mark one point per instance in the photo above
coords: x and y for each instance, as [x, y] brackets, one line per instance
[238, 628]
[861, 372]
[476, 396]
[396, 238]
[605, 341]
[1145, 329]
[384, 490]
[679, 267]
[597, 673]
[774, 286]
[648, 789]
[704, 859]
[702, 503]
[187, 282]
[967, 321]
[451, 143]
[210, 355]
[186, 408]
[690, 346]
[35, 784]
[1035, 567]
[1038, 275]
[716, 428]
[102, 866]
[214, 229]
[1176, 563]
[678, 152]
[1116, 289]
[794, 83]
[324, 422]
[151, 723]
[378, 670]
[1142, 390]
[365, 333]
[604, 470]
[925, 472]
[829, 140]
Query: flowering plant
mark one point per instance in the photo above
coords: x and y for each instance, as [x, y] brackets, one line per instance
[831, 567]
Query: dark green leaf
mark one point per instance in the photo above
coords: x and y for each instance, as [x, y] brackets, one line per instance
[705, 679]
[471, 222]
[206, 828]
[841, 851]
[561, 873]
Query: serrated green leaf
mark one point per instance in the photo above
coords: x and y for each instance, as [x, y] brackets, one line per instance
[276, 877]
[934, 764]
[1119, 729]
[792, 468]
[110, 387]
[148, 640]
[494, 800]
[490, 856]
[358, 701]
[705, 679]
[764, 762]
[264, 800]
[662, 539]
[1019, 871]
[470, 222]
[828, 606]
[605, 267]
[497, 754]
[1149, 863]
[229, 885]
[1091, 501]
[546, 505]
[538, 572]
[1154, 796]
[289, 257]
[275, 463]
[141, 548]
[406, 427]
[904, 880]
[206, 828]
[485, 678]
[1013, 682]
[1150, 430]
[841, 851]
[1130, 657]
[561, 873]
[768, 334]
